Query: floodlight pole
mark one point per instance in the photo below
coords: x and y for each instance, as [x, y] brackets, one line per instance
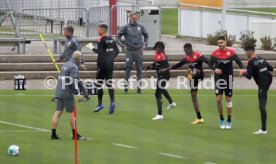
[113, 17]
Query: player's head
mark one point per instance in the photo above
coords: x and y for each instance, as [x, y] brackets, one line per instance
[134, 17]
[249, 51]
[102, 29]
[221, 42]
[159, 47]
[188, 48]
[68, 31]
[77, 57]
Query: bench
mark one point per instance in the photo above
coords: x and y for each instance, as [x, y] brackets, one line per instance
[82, 41]
[14, 42]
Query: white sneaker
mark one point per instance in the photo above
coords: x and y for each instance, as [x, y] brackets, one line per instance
[158, 117]
[260, 132]
[172, 105]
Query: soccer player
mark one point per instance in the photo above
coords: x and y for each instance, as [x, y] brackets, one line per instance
[222, 60]
[161, 62]
[259, 69]
[136, 38]
[107, 51]
[72, 45]
[195, 61]
[65, 93]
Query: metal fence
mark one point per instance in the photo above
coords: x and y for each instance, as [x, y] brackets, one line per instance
[52, 21]
[97, 16]
[8, 25]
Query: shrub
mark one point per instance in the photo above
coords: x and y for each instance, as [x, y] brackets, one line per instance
[267, 43]
[247, 39]
[212, 38]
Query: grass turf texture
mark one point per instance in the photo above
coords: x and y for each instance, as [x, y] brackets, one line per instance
[132, 125]
[169, 21]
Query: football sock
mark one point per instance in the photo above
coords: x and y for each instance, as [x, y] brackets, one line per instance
[198, 115]
[54, 132]
[229, 119]
[221, 117]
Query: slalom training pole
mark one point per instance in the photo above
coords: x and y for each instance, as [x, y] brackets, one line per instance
[75, 135]
[49, 52]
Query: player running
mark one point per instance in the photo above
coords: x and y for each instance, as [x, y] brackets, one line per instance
[222, 60]
[161, 62]
[72, 45]
[195, 61]
[107, 51]
[259, 69]
[65, 93]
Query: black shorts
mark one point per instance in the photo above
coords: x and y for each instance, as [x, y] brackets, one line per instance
[104, 75]
[194, 83]
[227, 89]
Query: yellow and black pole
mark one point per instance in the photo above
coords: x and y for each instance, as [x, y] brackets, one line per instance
[49, 52]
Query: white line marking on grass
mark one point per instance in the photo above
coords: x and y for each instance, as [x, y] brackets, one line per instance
[22, 131]
[125, 146]
[24, 126]
[209, 163]
[172, 155]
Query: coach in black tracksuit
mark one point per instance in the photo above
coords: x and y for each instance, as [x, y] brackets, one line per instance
[160, 63]
[259, 69]
[107, 51]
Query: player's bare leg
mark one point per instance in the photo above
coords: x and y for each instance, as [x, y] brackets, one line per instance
[229, 106]
[55, 120]
[220, 110]
[199, 119]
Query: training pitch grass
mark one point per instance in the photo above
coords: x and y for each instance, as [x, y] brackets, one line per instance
[130, 136]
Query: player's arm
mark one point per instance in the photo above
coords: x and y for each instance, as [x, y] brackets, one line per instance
[212, 63]
[153, 66]
[146, 36]
[238, 61]
[177, 65]
[116, 49]
[268, 66]
[100, 47]
[120, 34]
[248, 73]
[74, 74]
[205, 60]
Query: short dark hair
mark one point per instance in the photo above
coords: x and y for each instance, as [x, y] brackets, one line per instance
[104, 26]
[69, 29]
[188, 45]
[249, 48]
[159, 44]
[221, 38]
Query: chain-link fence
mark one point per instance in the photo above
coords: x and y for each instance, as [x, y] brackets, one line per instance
[97, 16]
[52, 21]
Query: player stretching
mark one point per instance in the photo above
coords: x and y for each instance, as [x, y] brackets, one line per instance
[161, 62]
[107, 51]
[196, 74]
[222, 60]
[259, 69]
[65, 93]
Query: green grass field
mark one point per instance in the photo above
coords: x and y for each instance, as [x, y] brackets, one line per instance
[169, 21]
[132, 125]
